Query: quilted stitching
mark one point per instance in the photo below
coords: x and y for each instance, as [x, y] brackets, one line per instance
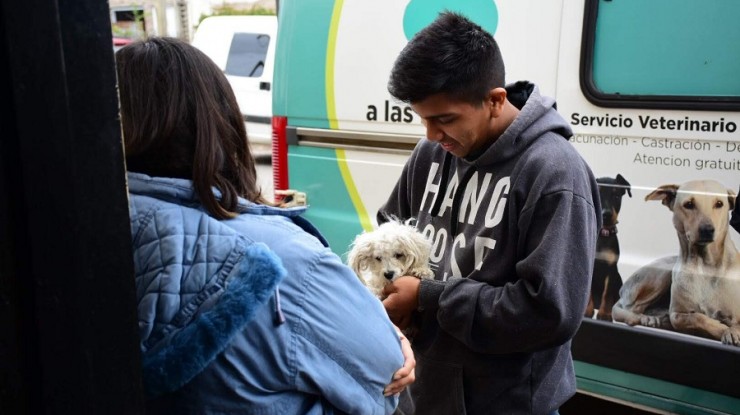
[198, 281]
[179, 253]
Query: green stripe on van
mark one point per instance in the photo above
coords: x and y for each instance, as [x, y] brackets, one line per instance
[354, 195]
[334, 212]
[331, 109]
[300, 63]
[653, 393]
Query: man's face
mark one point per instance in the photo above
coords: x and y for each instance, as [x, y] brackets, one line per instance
[459, 127]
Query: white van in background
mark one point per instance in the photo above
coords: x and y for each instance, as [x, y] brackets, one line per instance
[244, 48]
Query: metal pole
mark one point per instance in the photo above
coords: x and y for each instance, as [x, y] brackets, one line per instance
[183, 23]
[160, 8]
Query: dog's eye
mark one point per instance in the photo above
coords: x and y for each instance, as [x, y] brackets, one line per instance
[718, 204]
[377, 258]
[689, 205]
[399, 255]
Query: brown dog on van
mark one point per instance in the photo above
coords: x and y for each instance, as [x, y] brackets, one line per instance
[704, 279]
[606, 280]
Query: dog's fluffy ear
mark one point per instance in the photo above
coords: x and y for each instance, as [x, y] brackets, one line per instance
[359, 254]
[419, 249]
[666, 194]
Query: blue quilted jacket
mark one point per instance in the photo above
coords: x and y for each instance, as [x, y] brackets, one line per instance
[252, 315]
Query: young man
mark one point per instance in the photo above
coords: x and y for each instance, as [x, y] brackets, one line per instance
[513, 212]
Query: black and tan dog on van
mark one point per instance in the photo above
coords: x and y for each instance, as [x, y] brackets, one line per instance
[606, 281]
[705, 277]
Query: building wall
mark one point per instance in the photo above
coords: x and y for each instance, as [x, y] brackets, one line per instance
[169, 22]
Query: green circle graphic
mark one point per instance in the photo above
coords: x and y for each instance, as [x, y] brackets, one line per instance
[420, 13]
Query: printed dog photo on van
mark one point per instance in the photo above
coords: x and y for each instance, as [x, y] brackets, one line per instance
[702, 283]
[606, 280]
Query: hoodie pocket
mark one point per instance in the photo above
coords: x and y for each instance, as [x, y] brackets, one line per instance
[438, 389]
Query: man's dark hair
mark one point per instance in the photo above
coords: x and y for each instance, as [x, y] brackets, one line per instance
[452, 55]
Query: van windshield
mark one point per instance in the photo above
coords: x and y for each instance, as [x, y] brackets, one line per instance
[247, 54]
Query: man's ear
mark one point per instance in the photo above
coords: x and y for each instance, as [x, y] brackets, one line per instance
[496, 99]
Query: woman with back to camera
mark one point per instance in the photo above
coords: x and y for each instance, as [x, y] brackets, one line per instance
[242, 307]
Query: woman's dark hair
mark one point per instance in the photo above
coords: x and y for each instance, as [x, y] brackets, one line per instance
[180, 119]
[453, 56]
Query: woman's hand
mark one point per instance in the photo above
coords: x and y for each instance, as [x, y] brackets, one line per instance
[405, 375]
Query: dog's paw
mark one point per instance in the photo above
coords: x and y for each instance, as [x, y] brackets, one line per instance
[603, 316]
[731, 336]
[657, 322]
[424, 273]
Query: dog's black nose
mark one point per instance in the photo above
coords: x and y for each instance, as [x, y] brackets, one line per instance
[389, 275]
[706, 233]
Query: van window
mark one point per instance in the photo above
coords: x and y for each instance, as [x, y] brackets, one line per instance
[247, 54]
[663, 51]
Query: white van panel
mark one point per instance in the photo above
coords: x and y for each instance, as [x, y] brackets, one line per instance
[520, 33]
[528, 35]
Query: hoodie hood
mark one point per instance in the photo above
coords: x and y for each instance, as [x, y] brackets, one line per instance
[538, 115]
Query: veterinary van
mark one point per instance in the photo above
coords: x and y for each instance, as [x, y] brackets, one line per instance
[244, 48]
[652, 93]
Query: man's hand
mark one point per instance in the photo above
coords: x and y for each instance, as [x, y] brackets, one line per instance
[401, 300]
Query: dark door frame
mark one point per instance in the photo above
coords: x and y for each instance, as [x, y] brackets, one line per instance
[69, 342]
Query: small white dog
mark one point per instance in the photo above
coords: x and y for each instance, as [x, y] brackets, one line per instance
[392, 250]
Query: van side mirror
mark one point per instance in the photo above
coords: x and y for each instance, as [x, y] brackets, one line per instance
[264, 86]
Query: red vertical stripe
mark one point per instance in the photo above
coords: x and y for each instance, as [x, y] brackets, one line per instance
[279, 153]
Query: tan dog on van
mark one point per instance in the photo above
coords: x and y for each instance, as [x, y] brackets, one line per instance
[705, 278]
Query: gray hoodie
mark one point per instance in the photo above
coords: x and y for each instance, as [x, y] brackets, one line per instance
[514, 232]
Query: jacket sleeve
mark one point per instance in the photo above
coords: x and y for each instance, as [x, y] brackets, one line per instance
[346, 347]
[544, 305]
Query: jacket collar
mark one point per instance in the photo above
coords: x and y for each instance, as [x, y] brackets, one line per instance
[181, 191]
